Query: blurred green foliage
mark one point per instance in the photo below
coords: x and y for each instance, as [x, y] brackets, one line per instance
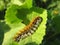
[52, 36]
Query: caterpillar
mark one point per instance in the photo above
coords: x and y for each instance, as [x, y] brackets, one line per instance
[29, 29]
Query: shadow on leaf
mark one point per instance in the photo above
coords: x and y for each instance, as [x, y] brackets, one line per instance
[3, 29]
[23, 12]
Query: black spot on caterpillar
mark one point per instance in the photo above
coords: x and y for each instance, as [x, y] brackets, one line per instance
[29, 29]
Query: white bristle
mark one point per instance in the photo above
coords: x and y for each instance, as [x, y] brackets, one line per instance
[37, 22]
[29, 33]
[36, 25]
[18, 38]
[34, 28]
[25, 35]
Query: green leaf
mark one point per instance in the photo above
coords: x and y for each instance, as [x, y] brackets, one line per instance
[24, 3]
[15, 15]
[1, 5]
[3, 29]
[28, 3]
[11, 17]
[18, 2]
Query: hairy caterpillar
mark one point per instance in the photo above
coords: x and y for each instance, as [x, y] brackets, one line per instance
[29, 29]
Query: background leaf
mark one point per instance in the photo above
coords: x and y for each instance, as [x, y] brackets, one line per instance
[24, 3]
